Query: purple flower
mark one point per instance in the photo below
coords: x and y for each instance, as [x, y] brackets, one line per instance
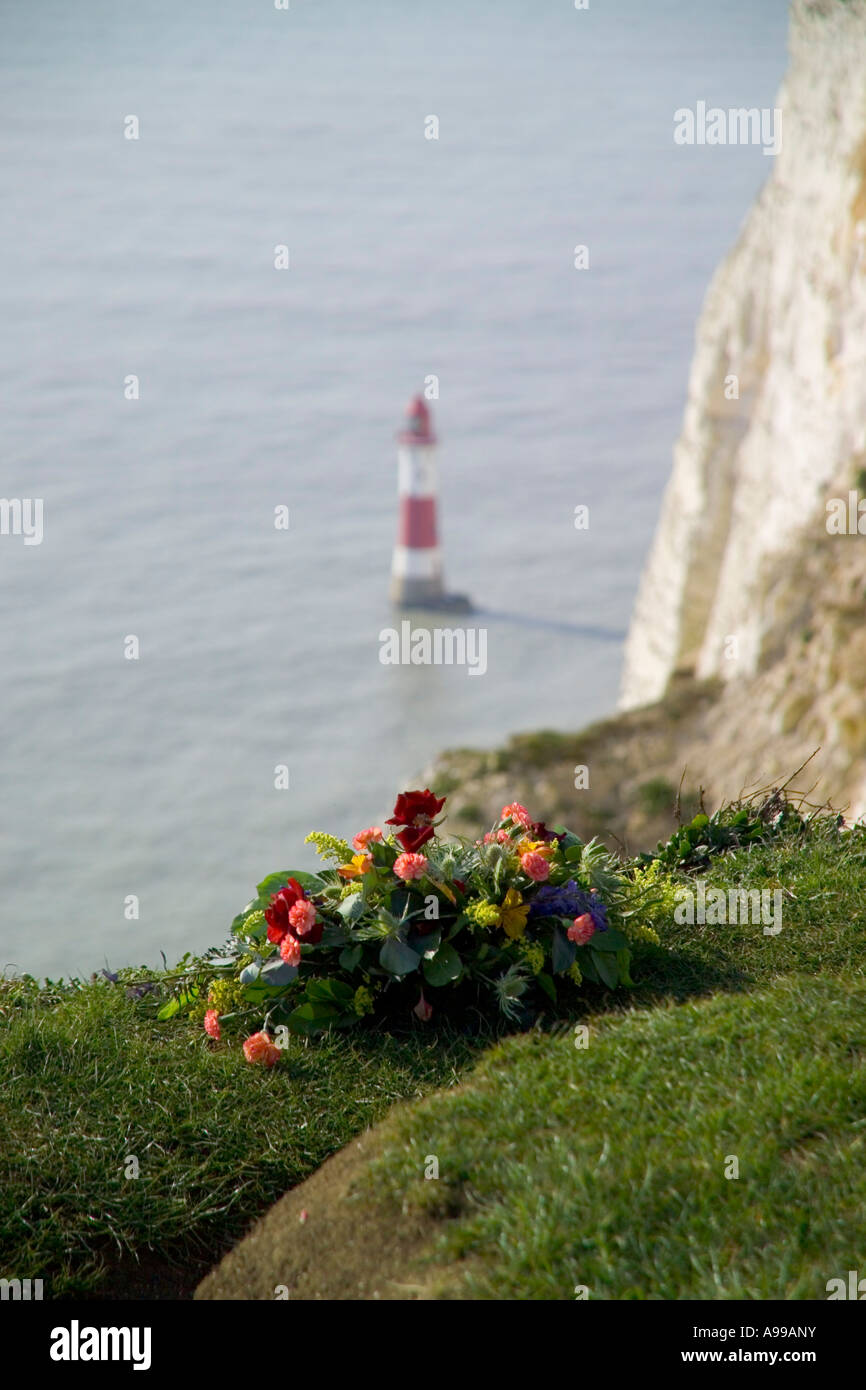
[569, 900]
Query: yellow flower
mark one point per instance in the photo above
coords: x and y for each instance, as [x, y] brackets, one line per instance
[514, 914]
[545, 848]
[358, 865]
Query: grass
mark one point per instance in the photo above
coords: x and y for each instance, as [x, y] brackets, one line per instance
[605, 1167]
[559, 1167]
[92, 1080]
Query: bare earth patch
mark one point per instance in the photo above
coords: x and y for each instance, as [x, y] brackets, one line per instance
[345, 1248]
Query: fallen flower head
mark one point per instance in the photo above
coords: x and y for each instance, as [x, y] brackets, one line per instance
[261, 1050]
[212, 1024]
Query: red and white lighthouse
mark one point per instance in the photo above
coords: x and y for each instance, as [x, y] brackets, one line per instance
[416, 570]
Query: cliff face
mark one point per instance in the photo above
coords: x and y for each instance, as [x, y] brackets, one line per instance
[785, 315]
[747, 651]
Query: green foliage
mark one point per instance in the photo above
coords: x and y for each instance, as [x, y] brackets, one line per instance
[692, 846]
[454, 930]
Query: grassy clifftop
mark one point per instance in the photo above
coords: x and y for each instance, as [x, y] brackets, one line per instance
[558, 1166]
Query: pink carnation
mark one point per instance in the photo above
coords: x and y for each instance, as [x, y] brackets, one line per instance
[366, 837]
[581, 929]
[290, 949]
[517, 813]
[302, 916]
[259, 1049]
[212, 1024]
[423, 1010]
[535, 866]
[500, 837]
[409, 866]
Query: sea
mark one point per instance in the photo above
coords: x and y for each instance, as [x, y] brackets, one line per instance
[236, 237]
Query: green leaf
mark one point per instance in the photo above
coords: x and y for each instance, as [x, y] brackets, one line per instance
[333, 936]
[547, 984]
[610, 941]
[311, 883]
[606, 969]
[238, 921]
[352, 907]
[312, 1017]
[180, 1001]
[563, 953]
[350, 957]
[398, 958]
[329, 992]
[569, 840]
[444, 967]
[426, 944]
[623, 961]
[383, 855]
[457, 926]
[277, 972]
[587, 968]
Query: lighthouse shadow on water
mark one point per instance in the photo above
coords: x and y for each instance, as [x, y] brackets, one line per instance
[417, 583]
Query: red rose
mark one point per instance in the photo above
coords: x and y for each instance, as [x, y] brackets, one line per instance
[277, 911]
[416, 811]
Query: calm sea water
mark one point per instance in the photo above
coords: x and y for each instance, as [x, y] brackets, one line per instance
[409, 257]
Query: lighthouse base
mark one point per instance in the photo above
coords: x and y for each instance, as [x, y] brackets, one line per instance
[426, 593]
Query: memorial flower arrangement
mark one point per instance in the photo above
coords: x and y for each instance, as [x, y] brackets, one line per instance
[404, 920]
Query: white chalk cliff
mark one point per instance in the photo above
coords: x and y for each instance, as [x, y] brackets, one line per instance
[746, 655]
[785, 315]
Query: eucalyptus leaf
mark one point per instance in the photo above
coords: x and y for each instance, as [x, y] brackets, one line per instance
[278, 972]
[351, 908]
[398, 958]
[444, 967]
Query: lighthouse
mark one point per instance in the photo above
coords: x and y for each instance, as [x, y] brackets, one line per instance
[416, 571]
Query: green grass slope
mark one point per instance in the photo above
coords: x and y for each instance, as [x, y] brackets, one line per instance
[609, 1167]
[91, 1080]
[602, 1166]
